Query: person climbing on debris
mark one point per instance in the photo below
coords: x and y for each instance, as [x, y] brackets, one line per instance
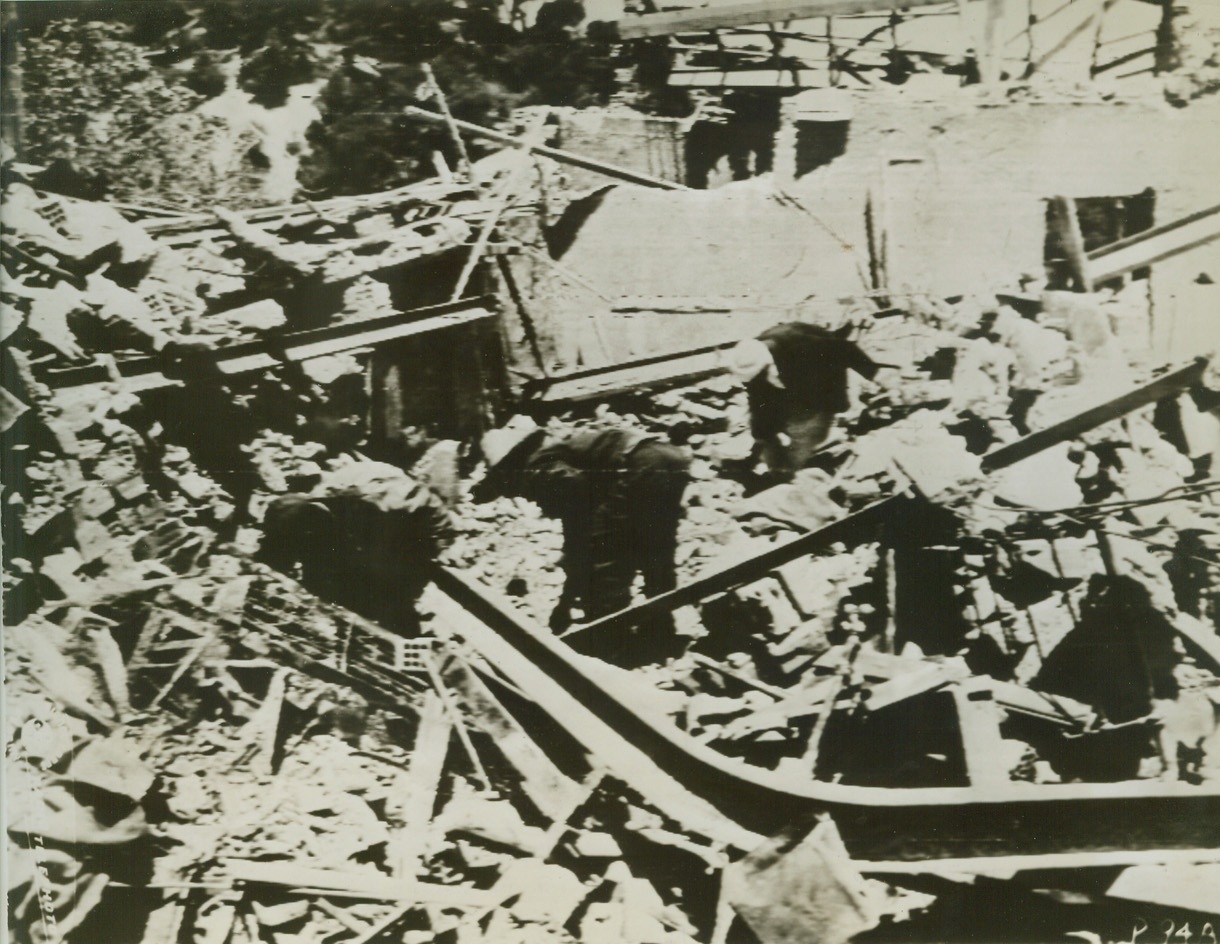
[795, 376]
[619, 496]
[366, 539]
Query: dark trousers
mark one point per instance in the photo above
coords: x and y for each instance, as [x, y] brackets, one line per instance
[635, 527]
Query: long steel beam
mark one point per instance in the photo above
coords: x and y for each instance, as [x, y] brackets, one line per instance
[723, 16]
[728, 798]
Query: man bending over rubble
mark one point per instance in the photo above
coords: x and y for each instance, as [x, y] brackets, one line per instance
[795, 376]
[619, 496]
[366, 539]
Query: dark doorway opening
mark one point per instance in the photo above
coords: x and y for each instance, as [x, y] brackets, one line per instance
[819, 143]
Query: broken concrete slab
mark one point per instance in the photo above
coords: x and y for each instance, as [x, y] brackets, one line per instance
[801, 887]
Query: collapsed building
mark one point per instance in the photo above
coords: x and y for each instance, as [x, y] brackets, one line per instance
[964, 665]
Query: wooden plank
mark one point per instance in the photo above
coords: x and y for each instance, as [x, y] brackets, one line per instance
[459, 726]
[1201, 635]
[555, 154]
[367, 884]
[723, 16]
[548, 788]
[1165, 386]
[1154, 245]
[508, 192]
[443, 104]
[921, 679]
[608, 747]
[421, 783]
[779, 694]
[990, 62]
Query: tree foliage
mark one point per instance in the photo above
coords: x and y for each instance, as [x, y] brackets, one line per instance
[92, 97]
[106, 84]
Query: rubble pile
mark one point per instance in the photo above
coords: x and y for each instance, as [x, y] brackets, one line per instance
[1020, 567]
[161, 746]
[202, 750]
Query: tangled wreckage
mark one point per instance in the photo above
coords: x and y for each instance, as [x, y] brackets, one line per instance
[961, 671]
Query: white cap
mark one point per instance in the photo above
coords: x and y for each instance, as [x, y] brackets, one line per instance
[498, 443]
[749, 359]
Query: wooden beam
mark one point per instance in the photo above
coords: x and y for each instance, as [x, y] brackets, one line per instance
[555, 154]
[748, 78]
[1011, 864]
[145, 373]
[365, 884]
[750, 12]
[1154, 245]
[1171, 383]
[860, 523]
[195, 226]
[991, 50]
[1090, 22]
[602, 381]
[1067, 225]
[420, 784]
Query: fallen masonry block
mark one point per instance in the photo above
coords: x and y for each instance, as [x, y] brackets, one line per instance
[544, 893]
[276, 916]
[493, 820]
[112, 764]
[801, 889]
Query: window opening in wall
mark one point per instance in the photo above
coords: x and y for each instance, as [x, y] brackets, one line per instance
[1102, 220]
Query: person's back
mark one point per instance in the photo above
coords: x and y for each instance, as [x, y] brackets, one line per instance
[795, 375]
[360, 550]
[812, 363]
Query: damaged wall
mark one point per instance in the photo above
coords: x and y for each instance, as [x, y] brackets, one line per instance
[626, 273]
[943, 179]
[629, 273]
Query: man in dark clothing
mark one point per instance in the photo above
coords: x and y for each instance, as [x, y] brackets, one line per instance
[796, 382]
[619, 496]
[365, 539]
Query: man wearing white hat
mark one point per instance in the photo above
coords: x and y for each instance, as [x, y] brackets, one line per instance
[795, 376]
[619, 496]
